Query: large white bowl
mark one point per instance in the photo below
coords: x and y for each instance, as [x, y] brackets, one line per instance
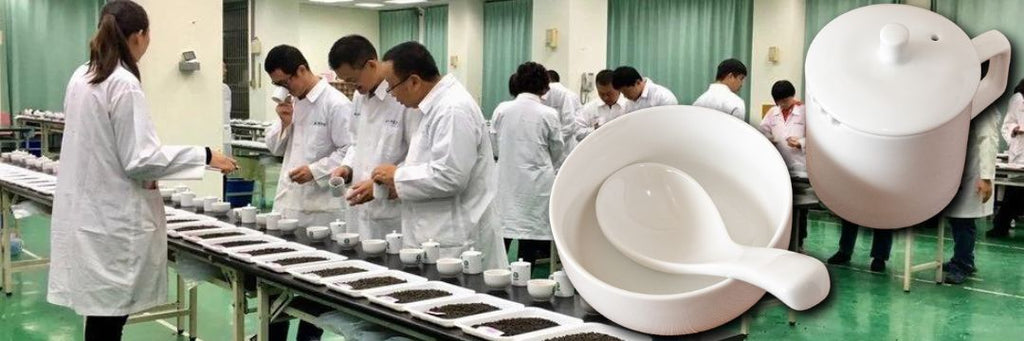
[741, 171]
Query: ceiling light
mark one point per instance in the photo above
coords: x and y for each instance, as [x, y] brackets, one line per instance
[404, 2]
[369, 5]
[330, 1]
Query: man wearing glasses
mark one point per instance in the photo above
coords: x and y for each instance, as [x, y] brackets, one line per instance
[448, 181]
[312, 133]
[382, 129]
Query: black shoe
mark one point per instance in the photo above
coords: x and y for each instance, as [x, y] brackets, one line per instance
[957, 267]
[839, 258]
[878, 265]
[955, 277]
[993, 233]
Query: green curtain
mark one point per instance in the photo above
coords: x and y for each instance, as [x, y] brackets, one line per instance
[397, 27]
[506, 45]
[435, 35]
[819, 12]
[679, 44]
[44, 42]
[977, 17]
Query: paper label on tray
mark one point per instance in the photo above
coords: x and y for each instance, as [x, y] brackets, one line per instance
[388, 299]
[435, 313]
[490, 331]
[344, 286]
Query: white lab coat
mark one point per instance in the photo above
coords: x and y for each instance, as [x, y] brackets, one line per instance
[653, 95]
[529, 145]
[108, 236]
[226, 102]
[720, 97]
[319, 136]
[566, 103]
[982, 146]
[382, 130]
[448, 182]
[597, 113]
[1015, 118]
[777, 129]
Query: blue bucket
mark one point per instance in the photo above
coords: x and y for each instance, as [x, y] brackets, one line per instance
[238, 191]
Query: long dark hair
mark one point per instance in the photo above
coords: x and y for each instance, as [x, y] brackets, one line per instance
[1020, 87]
[119, 19]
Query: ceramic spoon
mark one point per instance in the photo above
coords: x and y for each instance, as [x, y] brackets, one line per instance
[663, 219]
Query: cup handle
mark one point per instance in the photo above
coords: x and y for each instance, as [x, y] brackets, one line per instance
[992, 46]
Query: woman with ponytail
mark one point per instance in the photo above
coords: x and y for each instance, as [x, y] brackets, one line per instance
[107, 234]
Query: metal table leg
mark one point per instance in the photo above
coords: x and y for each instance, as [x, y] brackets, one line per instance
[263, 310]
[180, 304]
[8, 227]
[193, 330]
[238, 303]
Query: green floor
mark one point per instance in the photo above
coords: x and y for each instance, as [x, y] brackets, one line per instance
[863, 305]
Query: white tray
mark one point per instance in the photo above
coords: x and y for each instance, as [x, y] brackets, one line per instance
[239, 252]
[302, 271]
[337, 283]
[214, 244]
[591, 327]
[267, 262]
[196, 236]
[172, 229]
[419, 309]
[378, 296]
[185, 217]
[494, 335]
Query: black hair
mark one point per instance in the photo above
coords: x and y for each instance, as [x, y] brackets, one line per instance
[625, 76]
[354, 50]
[532, 78]
[412, 58]
[286, 58]
[1020, 87]
[553, 76]
[783, 89]
[730, 66]
[512, 88]
[604, 77]
[119, 19]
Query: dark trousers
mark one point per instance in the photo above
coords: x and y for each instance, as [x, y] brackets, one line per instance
[964, 235]
[531, 250]
[104, 328]
[1011, 207]
[307, 331]
[881, 242]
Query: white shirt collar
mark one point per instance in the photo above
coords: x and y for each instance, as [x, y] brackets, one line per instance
[381, 91]
[529, 96]
[716, 86]
[434, 96]
[318, 89]
[647, 87]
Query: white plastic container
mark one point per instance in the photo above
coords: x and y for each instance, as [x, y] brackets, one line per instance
[216, 245]
[486, 333]
[591, 328]
[200, 235]
[421, 310]
[891, 90]
[240, 252]
[268, 261]
[380, 296]
[304, 272]
[338, 284]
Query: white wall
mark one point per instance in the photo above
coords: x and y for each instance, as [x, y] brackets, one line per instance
[465, 42]
[309, 27]
[186, 108]
[926, 4]
[320, 26]
[778, 23]
[582, 37]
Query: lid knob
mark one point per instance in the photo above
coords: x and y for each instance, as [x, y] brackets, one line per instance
[893, 42]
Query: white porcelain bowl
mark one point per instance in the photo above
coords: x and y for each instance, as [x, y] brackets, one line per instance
[220, 207]
[287, 225]
[374, 246]
[541, 289]
[449, 267]
[317, 232]
[741, 171]
[347, 240]
[497, 279]
[411, 257]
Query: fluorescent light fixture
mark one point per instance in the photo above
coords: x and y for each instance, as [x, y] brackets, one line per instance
[369, 5]
[330, 1]
[404, 2]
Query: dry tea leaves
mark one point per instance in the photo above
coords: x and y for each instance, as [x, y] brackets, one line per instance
[345, 270]
[460, 310]
[374, 282]
[196, 228]
[586, 337]
[519, 325]
[269, 251]
[298, 260]
[219, 235]
[242, 243]
[416, 295]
